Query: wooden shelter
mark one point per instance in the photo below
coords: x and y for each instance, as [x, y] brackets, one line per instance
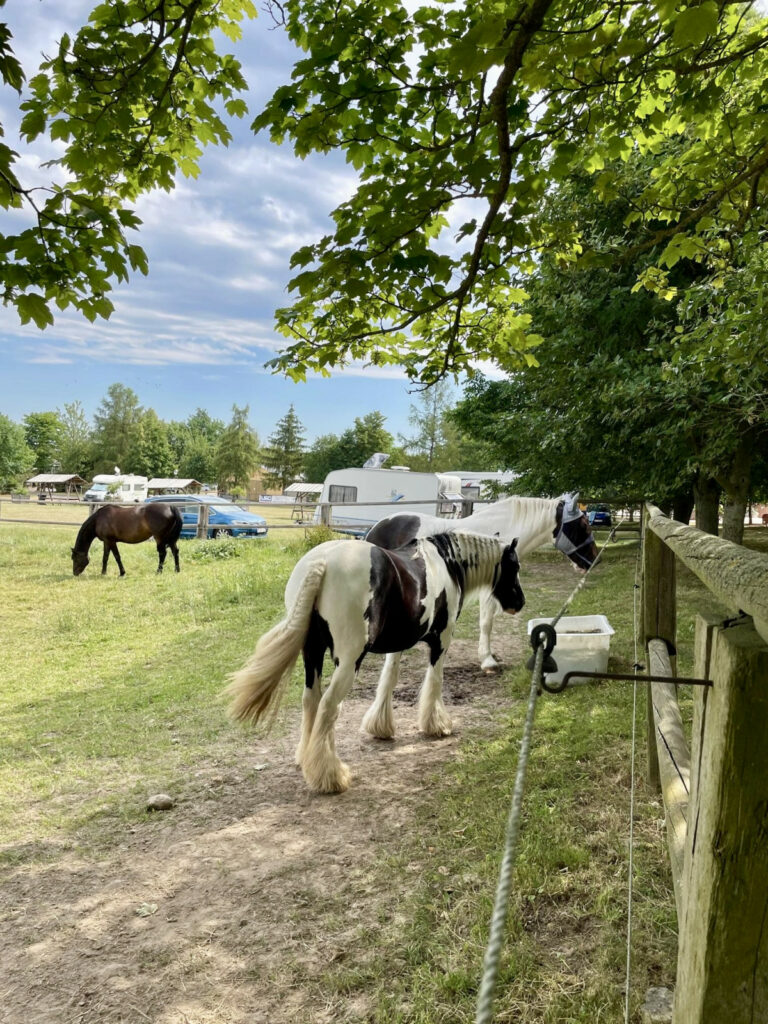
[50, 485]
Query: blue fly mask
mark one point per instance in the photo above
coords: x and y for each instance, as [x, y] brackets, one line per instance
[572, 534]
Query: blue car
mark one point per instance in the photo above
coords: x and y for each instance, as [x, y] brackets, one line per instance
[599, 515]
[224, 518]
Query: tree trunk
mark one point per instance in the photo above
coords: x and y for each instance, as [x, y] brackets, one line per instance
[707, 494]
[736, 486]
[682, 507]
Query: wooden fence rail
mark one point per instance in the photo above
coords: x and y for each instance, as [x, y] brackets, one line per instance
[716, 795]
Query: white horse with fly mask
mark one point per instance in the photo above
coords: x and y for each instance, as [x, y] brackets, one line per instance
[351, 597]
[533, 521]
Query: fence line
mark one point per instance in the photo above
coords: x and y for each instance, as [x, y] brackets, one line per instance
[716, 793]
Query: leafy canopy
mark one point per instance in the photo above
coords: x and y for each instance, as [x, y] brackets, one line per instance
[460, 118]
[133, 97]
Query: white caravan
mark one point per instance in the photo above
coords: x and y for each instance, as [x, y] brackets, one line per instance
[385, 492]
[123, 488]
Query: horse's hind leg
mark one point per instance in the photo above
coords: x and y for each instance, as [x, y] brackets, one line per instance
[175, 552]
[323, 770]
[162, 551]
[313, 653]
[105, 559]
[378, 719]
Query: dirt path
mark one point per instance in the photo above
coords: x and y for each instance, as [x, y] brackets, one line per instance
[229, 907]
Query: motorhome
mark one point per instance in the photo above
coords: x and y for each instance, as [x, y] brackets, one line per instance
[124, 488]
[383, 492]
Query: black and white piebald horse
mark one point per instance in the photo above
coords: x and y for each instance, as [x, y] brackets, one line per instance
[352, 597]
[532, 520]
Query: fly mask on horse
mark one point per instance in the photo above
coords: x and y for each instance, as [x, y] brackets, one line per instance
[573, 534]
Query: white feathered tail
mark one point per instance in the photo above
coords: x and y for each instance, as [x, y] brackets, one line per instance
[262, 681]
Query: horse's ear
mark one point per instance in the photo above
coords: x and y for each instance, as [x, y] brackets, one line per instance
[513, 545]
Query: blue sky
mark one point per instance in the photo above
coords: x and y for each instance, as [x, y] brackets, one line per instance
[198, 329]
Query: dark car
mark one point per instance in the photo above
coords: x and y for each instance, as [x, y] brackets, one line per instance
[224, 518]
[599, 515]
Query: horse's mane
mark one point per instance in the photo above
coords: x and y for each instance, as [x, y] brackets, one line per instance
[531, 520]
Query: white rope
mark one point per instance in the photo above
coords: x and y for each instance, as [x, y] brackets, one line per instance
[499, 917]
[484, 1014]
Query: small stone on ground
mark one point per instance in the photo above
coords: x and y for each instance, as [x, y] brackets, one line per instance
[658, 1006]
[160, 802]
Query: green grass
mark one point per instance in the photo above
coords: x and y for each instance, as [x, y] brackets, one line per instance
[113, 685]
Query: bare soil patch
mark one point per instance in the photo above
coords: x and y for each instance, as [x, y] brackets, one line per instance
[231, 906]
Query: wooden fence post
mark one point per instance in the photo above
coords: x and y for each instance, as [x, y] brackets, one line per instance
[659, 620]
[202, 522]
[722, 972]
[325, 514]
[673, 758]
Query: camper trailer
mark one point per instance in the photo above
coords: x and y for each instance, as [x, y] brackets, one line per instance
[383, 492]
[123, 488]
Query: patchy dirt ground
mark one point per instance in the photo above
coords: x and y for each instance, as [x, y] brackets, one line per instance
[226, 908]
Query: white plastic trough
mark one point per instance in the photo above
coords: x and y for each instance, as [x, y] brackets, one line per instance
[583, 643]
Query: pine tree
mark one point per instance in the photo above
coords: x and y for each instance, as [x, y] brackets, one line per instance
[116, 421]
[283, 458]
[237, 452]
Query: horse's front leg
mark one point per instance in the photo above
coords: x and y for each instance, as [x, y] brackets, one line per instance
[118, 559]
[105, 559]
[488, 609]
[323, 771]
[162, 551]
[378, 719]
[433, 719]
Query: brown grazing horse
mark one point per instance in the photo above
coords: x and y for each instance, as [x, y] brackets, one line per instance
[113, 523]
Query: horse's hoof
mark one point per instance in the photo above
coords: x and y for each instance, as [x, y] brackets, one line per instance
[333, 779]
[379, 726]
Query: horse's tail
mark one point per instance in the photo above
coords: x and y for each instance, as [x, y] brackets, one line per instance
[261, 682]
[178, 523]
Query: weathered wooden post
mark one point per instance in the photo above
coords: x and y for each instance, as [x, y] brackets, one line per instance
[325, 513]
[202, 522]
[659, 619]
[722, 972]
[673, 760]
